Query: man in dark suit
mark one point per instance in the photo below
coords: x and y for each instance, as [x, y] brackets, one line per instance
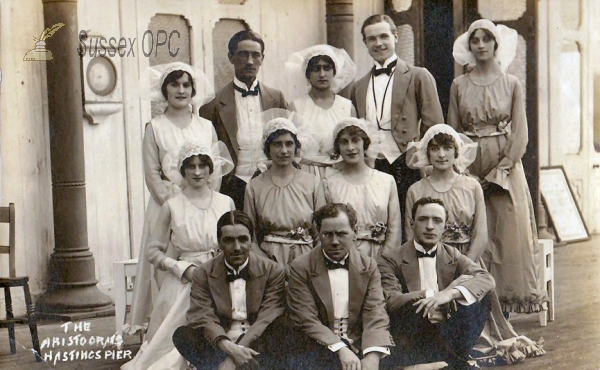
[436, 296]
[235, 108]
[335, 299]
[400, 99]
[234, 300]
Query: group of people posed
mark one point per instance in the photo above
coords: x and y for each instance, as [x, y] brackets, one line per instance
[330, 233]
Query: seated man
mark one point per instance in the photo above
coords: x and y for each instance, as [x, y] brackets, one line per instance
[423, 280]
[335, 299]
[235, 298]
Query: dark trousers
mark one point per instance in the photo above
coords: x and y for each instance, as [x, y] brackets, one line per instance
[306, 353]
[419, 341]
[272, 346]
[235, 188]
[404, 177]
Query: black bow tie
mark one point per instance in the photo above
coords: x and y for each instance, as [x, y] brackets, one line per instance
[387, 70]
[333, 265]
[233, 276]
[247, 92]
[426, 255]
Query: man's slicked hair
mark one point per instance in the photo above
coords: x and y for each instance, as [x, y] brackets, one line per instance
[378, 18]
[243, 36]
[427, 200]
[332, 211]
[234, 217]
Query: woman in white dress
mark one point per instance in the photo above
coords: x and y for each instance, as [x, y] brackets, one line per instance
[178, 85]
[450, 153]
[327, 70]
[188, 223]
[372, 193]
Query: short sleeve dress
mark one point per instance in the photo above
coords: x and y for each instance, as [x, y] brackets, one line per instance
[282, 214]
[194, 240]
[493, 115]
[376, 204]
[465, 205]
[321, 123]
[160, 154]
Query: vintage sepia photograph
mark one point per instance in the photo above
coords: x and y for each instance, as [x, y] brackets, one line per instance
[299, 184]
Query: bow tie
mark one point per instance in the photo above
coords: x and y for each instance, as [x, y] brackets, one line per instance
[387, 70]
[426, 255]
[233, 276]
[332, 265]
[247, 92]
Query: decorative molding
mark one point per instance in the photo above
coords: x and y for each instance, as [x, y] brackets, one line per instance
[100, 111]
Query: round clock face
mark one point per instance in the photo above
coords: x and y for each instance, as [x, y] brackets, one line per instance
[101, 76]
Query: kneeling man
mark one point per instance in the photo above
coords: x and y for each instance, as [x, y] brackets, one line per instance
[235, 298]
[423, 281]
[335, 299]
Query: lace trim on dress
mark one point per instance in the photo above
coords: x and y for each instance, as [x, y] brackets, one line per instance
[537, 302]
[509, 352]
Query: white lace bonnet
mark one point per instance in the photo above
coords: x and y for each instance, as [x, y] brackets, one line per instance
[218, 153]
[152, 79]
[467, 149]
[297, 63]
[282, 119]
[364, 125]
[507, 39]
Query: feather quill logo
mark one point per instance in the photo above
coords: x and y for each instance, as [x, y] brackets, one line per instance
[40, 53]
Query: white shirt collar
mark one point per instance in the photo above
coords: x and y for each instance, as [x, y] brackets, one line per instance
[342, 262]
[420, 248]
[240, 268]
[386, 62]
[242, 85]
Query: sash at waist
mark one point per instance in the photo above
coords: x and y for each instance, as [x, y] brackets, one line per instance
[197, 255]
[363, 234]
[289, 237]
[502, 128]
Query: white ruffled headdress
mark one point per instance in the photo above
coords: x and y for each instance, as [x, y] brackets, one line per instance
[467, 149]
[152, 79]
[364, 125]
[297, 63]
[282, 119]
[218, 153]
[507, 39]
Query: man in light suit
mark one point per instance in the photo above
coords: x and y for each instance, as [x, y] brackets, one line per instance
[234, 301]
[399, 99]
[436, 296]
[235, 107]
[335, 299]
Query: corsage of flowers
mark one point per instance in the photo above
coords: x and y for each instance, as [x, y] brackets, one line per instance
[456, 231]
[300, 233]
[378, 229]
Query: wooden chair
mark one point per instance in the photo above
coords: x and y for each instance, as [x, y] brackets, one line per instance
[7, 215]
[124, 276]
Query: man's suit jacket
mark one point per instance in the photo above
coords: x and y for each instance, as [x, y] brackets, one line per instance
[401, 280]
[223, 114]
[414, 100]
[311, 307]
[210, 299]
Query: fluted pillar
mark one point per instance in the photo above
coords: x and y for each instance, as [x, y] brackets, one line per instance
[72, 290]
[340, 28]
